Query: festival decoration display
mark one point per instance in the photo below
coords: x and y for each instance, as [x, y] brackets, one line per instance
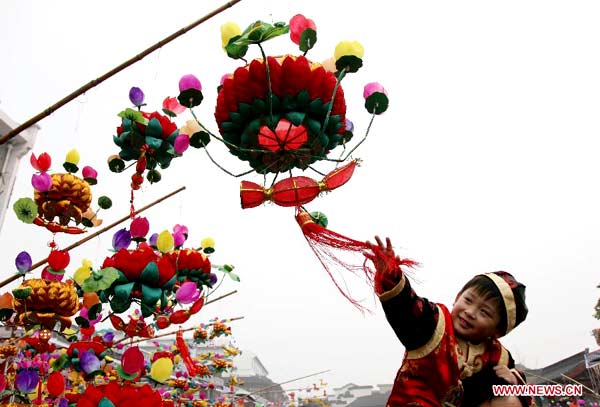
[282, 114]
[62, 201]
[75, 336]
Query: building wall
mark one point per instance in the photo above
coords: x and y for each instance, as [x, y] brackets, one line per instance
[10, 156]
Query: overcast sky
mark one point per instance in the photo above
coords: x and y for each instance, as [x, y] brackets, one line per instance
[487, 159]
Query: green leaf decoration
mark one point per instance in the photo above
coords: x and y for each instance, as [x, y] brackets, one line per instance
[122, 293]
[100, 280]
[190, 98]
[5, 314]
[22, 292]
[116, 165]
[199, 139]
[60, 362]
[150, 274]
[377, 103]
[236, 50]
[169, 113]
[91, 181]
[303, 99]
[153, 176]
[233, 276]
[296, 117]
[147, 309]
[25, 209]
[153, 129]
[87, 222]
[94, 311]
[133, 115]
[319, 218]
[351, 63]
[70, 167]
[124, 375]
[104, 402]
[82, 322]
[154, 143]
[104, 202]
[308, 38]
[150, 295]
[169, 284]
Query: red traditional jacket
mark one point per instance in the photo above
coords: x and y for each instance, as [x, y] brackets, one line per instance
[439, 369]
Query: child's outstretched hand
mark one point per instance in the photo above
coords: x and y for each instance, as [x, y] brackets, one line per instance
[386, 264]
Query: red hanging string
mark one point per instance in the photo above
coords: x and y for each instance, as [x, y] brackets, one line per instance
[331, 248]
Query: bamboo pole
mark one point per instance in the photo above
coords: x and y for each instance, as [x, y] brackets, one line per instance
[582, 385]
[288, 381]
[93, 235]
[48, 111]
[166, 334]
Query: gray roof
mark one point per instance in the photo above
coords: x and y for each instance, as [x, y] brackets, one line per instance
[572, 366]
[372, 400]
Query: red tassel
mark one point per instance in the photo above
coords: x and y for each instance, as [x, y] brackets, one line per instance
[184, 351]
[329, 247]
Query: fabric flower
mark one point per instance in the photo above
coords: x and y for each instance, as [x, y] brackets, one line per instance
[181, 229]
[26, 380]
[298, 24]
[139, 227]
[373, 87]
[83, 272]
[72, 157]
[91, 216]
[346, 48]
[89, 362]
[187, 293]
[131, 263]
[89, 172]
[26, 210]
[23, 262]
[329, 65]
[121, 240]
[41, 163]
[190, 128]
[58, 259]
[285, 137]
[228, 31]
[349, 125]
[182, 142]
[178, 239]
[168, 127]
[153, 239]
[41, 182]
[136, 96]
[376, 100]
[189, 82]
[171, 104]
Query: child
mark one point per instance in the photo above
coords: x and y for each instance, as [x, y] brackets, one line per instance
[452, 357]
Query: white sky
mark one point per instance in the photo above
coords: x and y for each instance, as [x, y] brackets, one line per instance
[486, 160]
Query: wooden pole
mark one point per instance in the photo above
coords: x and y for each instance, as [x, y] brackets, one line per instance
[93, 235]
[48, 111]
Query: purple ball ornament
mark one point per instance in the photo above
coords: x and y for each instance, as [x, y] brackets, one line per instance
[23, 262]
[136, 96]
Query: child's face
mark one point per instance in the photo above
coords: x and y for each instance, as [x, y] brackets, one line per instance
[474, 318]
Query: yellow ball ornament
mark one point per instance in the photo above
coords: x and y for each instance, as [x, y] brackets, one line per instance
[161, 369]
[72, 157]
[165, 241]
